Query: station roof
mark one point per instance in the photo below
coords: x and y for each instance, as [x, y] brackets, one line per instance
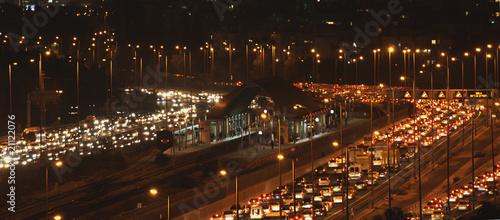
[284, 94]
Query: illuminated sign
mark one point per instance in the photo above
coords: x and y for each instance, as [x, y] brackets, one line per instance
[458, 95]
[424, 95]
[441, 95]
[478, 94]
[407, 95]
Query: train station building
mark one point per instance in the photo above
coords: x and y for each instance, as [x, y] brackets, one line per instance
[261, 107]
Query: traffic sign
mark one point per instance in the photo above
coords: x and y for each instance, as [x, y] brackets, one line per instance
[441, 95]
[408, 95]
[458, 95]
[478, 94]
[47, 97]
[424, 95]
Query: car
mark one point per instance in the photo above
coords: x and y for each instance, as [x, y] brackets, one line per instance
[299, 194]
[453, 198]
[361, 185]
[326, 191]
[428, 210]
[337, 187]
[327, 202]
[229, 215]
[320, 209]
[254, 201]
[216, 217]
[490, 177]
[463, 205]
[333, 163]
[437, 215]
[308, 188]
[337, 198]
[320, 170]
[382, 173]
[242, 209]
[412, 216]
[352, 192]
[287, 199]
[308, 214]
[297, 206]
[324, 181]
[307, 203]
[318, 197]
[377, 161]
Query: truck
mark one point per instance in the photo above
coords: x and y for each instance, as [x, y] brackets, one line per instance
[394, 157]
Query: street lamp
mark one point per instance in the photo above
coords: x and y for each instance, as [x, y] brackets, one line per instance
[297, 106]
[57, 164]
[57, 217]
[414, 118]
[224, 173]
[280, 158]
[154, 192]
[391, 49]
[10, 84]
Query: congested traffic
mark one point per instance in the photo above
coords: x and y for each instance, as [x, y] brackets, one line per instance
[93, 134]
[368, 163]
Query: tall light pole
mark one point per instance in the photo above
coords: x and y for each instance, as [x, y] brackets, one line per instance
[463, 96]
[280, 158]
[389, 167]
[313, 51]
[10, 85]
[57, 164]
[357, 61]
[391, 49]
[345, 66]
[297, 106]
[224, 173]
[414, 118]
[374, 67]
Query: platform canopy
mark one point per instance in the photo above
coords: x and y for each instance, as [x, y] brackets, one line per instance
[284, 94]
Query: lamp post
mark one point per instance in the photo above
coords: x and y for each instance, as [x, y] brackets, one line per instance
[463, 96]
[224, 173]
[493, 152]
[345, 66]
[10, 85]
[297, 106]
[414, 118]
[374, 67]
[57, 164]
[153, 192]
[280, 158]
[391, 49]
[389, 167]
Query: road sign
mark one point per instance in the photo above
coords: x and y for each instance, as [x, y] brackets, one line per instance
[458, 95]
[424, 95]
[47, 97]
[441, 95]
[407, 95]
[478, 94]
